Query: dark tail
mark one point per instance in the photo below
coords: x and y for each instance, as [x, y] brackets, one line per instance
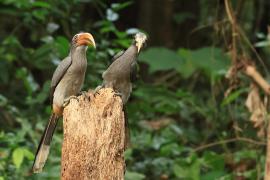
[127, 132]
[44, 145]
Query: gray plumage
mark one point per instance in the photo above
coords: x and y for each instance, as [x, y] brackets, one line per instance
[72, 76]
[122, 72]
[58, 74]
[67, 81]
[120, 53]
[117, 76]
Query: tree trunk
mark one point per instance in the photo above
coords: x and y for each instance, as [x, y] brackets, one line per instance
[157, 13]
[94, 135]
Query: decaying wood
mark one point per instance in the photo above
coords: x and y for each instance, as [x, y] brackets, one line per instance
[94, 135]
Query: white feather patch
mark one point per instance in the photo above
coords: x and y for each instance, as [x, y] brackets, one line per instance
[41, 158]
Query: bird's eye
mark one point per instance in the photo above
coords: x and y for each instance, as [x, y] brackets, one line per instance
[74, 39]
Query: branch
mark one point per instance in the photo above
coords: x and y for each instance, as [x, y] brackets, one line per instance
[232, 20]
[257, 77]
[228, 141]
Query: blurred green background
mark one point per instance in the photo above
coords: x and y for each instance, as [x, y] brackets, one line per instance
[178, 104]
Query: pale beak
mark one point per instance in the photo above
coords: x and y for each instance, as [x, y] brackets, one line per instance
[139, 45]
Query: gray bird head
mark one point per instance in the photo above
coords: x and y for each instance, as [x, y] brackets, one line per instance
[83, 39]
[140, 39]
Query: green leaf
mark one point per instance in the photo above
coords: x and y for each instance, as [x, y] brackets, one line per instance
[245, 154]
[179, 171]
[119, 6]
[62, 46]
[170, 149]
[40, 58]
[12, 40]
[195, 170]
[215, 174]
[40, 14]
[213, 160]
[260, 35]
[159, 59]
[262, 43]
[41, 4]
[134, 176]
[233, 96]
[211, 60]
[17, 157]
[128, 153]
[188, 170]
[3, 101]
[42, 95]
[28, 154]
[188, 67]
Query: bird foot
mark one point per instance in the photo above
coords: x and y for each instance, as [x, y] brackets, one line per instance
[83, 93]
[118, 94]
[67, 100]
[97, 89]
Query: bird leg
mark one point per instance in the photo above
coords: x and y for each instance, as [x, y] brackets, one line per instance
[67, 100]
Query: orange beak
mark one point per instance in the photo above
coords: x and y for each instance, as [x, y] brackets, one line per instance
[86, 39]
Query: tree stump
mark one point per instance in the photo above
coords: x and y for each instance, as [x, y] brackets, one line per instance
[94, 135]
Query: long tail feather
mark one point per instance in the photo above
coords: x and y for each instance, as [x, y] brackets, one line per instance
[127, 132]
[44, 145]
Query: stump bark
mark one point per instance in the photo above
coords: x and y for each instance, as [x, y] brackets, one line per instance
[94, 135]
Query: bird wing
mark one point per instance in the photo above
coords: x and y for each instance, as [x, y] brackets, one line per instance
[120, 53]
[114, 58]
[59, 73]
[133, 71]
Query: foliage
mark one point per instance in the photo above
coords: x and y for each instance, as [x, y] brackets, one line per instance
[177, 105]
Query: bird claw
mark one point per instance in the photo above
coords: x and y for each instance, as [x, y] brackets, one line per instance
[118, 94]
[97, 89]
[67, 100]
[83, 93]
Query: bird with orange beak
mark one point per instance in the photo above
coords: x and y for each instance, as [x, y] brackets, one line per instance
[66, 83]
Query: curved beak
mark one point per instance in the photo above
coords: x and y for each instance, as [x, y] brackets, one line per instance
[139, 46]
[86, 39]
